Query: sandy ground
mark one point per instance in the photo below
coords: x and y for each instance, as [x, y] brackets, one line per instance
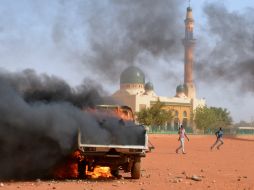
[231, 167]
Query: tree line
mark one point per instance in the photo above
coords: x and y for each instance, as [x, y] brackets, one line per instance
[203, 117]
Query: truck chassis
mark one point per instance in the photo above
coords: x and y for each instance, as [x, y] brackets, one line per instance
[117, 157]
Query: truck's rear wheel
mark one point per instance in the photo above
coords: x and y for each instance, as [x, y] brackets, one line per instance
[82, 169]
[115, 172]
[135, 170]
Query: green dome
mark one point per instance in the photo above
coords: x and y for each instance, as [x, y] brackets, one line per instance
[180, 88]
[132, 75]
[148, 86]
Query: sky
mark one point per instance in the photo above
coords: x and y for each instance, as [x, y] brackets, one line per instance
[84, 40]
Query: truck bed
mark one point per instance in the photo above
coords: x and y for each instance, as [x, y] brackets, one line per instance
[112, 150]
[140, 147]
[113, 146]
[133, 135]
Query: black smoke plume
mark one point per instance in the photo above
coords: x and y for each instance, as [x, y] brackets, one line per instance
[102, 38]
[229, 59]
[40, 117]
[123, 33]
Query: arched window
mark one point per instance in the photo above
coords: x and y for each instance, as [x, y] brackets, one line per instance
[176, 113]
[184, 114]
[176, 123]
[185, 122]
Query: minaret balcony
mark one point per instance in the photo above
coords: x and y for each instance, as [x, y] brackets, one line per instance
[189, 42]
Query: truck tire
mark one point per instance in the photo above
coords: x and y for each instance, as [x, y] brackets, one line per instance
[115, 173]
[81, 169]
[135, 170]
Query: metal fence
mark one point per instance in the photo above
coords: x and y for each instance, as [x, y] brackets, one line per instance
[245, 131]
[174, 130]
[167, 130]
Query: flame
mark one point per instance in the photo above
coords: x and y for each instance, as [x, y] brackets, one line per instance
[124, 114]
[68, 168]
[99, 172]
[118, 112]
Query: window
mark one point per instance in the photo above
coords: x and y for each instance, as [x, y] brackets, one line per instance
[176, 123]
[184, 114]
[176, 113]
[185, 122]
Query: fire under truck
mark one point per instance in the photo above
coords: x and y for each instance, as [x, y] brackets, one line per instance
[125, 157]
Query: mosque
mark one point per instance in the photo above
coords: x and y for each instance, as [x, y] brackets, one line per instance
[136, 93]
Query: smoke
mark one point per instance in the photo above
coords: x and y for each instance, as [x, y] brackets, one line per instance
[106, 37]
[99, 38]
[230, 58]
[123, 33]
[33, 87]
[40, 117]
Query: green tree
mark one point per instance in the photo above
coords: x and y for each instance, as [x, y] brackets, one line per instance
[212, 117]
[156, 115]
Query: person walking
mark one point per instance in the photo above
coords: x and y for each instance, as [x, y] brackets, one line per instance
[219, 139]
[182, 135]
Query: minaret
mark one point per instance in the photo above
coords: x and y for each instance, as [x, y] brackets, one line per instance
[189, 44]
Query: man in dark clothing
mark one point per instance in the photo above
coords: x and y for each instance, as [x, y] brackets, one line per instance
[219, 135]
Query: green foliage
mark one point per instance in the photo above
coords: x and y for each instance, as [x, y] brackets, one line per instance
[212, 117]
[155, 115]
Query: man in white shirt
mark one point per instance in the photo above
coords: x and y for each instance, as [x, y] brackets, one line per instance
[182, 135]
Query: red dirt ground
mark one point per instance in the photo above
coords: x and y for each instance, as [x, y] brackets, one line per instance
[231, 167]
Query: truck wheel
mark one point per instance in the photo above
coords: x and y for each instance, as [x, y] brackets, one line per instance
[135, 170]
[81, 169]
[115, 172]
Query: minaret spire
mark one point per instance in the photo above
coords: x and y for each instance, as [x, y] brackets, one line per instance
[189, 44]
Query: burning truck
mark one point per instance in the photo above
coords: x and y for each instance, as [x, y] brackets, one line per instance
[55, 138]
[119, 154]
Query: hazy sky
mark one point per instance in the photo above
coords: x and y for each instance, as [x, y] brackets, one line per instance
[82, 39]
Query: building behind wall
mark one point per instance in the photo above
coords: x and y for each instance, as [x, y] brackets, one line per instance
[138, 94]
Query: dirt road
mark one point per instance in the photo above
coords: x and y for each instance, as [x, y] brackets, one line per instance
[231, 167]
